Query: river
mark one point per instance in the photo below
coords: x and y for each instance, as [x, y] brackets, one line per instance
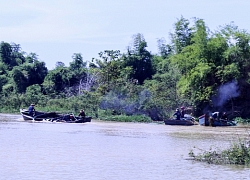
[111, 151]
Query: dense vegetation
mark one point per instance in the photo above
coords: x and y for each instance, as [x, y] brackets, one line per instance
[200, 69]
[238, 153]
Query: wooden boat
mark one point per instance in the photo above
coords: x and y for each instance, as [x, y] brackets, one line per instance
[203, 121]
[186, 121]
[53, 117]
[67, 119]
[38, 116]
[179, 122]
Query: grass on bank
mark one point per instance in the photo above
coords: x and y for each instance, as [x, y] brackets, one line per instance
[108, 115]
[125, 118]
[238, 154]
[242, 121]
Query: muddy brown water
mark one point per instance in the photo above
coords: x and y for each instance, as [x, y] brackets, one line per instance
[108, 150]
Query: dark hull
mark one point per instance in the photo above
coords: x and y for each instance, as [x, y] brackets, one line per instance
[220, 122]
[77, 120]
[53, 117]
[38, 116]
[179, 122]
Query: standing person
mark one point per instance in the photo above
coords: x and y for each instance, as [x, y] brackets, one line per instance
[215, 116]
[82, 114]
[177, 114]
[224, 116]
[182, 111]
[32, 110]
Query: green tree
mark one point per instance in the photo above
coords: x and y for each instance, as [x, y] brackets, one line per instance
[33, 94]
[31, 58]
[108, 70]
[195, 83]
[77, 63]
[6, 55]
[164, 49]
[139, 59]
[182, 35]
[20, 80]
[163, 89]
[60, 64]
[57, 80]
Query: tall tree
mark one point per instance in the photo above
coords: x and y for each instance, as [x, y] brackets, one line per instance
[140, 59]
[182, 34]
[20, 80]
[195, 82]
[31, 58]
[57, 80]
[164, 49]
[77, 63]
[109, 68]
[60, 64]
[7, 56]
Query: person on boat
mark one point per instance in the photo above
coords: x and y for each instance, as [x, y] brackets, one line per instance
[224, 116]
[211, 121]
[182, 111]
[31, 110]
[215, 115]
[82, 114]
[177, 114]
[72, 117]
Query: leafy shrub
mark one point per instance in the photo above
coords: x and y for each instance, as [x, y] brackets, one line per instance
[241, 120]
[238, 153]
[125, 118]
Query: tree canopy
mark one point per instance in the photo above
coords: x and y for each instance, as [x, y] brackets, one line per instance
[200, 69]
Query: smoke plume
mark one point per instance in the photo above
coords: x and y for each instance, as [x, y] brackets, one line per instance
[225, 93]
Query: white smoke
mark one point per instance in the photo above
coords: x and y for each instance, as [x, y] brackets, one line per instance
[225, 93]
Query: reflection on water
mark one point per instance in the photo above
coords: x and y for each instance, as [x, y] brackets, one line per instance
[108, 150]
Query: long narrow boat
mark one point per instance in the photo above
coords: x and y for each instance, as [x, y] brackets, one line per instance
[53, 117]
[215, 122]
[38, 116]
[182, 122]
[186, 121]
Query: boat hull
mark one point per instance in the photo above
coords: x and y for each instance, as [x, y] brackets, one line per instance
[179, 122]
[187, 120]
[221, 122]
[38, 115]
[53, 117]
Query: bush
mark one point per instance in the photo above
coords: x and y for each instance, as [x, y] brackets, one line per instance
[241, 120]
[238, 153]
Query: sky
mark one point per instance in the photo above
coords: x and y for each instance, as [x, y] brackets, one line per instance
[56, 29]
